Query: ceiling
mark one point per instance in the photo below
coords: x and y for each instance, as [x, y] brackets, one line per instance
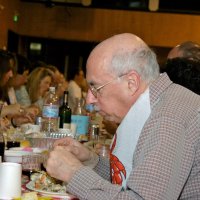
[172, 6]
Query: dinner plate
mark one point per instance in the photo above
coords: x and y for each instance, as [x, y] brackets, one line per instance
[30, 186]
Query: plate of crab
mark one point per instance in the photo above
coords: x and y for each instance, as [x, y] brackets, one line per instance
[46, 185]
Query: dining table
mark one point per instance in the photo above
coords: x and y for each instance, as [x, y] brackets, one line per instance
[40, 145]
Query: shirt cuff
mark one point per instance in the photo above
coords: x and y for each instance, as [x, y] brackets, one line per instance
[93, 161]
[82, 181]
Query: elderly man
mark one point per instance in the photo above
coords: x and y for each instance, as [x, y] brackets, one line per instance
[155, 153]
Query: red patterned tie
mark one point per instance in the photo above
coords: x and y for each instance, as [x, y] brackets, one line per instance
[116, 167]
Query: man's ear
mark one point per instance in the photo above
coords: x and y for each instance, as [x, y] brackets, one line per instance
[133, 81]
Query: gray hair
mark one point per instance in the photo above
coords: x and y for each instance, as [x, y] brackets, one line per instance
[190, 50]
[142, 60]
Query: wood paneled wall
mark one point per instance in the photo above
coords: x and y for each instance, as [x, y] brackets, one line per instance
[6, 19]
[157, 29]
[86, 24]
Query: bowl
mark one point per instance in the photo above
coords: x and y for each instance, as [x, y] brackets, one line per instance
[15, 156]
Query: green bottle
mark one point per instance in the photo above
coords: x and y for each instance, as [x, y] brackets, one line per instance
[65, 113]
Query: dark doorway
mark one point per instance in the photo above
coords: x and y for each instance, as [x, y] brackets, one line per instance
[13, 41]
[60, 53]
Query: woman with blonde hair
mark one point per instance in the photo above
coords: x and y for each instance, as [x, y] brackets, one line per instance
[38, 85]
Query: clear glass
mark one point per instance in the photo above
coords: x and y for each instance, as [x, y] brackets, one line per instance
[31, 163]
[79, 109]
[104, 151]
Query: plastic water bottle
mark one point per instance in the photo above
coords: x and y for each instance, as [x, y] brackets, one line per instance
[50, 112]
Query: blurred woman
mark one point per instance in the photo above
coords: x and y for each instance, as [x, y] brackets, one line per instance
[15, 113]
[38, 85]
[6, 72]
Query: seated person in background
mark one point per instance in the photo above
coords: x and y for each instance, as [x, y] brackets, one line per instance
[14, 112]
[20, 79]
[58, 81]
[17, 92]
[38, 84]
[188, 49]
[185, 72]
[155, 152]
[10, 91]
[76, 77]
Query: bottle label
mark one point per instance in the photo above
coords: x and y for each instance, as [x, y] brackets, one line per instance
[82, 123]
[66, 125]
[50, 111]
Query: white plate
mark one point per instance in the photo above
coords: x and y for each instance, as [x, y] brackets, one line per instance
[30, 186]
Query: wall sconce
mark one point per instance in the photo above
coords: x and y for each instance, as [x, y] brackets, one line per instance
[86, 2]
[1, 7]
[153, 5]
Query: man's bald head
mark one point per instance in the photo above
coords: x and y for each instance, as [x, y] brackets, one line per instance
[121, 43]
[124, 52]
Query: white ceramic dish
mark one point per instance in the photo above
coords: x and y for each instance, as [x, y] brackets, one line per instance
[15, 156]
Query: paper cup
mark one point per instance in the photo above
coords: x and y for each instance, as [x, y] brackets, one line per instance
[10, 180]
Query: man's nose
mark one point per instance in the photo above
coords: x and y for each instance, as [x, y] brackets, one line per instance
[90, 98]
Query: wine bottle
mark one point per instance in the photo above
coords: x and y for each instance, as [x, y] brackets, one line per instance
[65, 113]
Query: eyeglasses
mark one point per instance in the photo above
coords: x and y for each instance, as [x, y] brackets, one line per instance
[95, 90]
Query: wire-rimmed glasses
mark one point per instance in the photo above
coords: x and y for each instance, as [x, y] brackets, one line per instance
[95, 90]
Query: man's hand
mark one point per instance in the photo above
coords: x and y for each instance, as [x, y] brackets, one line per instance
[62, 164]
[81, 152]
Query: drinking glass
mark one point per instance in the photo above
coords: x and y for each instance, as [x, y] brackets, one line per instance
[31, 163]
[104, 151]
